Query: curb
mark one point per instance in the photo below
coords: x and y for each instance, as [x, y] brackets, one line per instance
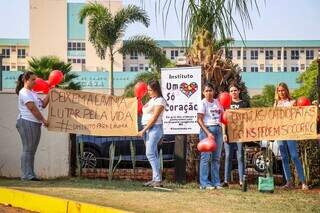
[43, 203]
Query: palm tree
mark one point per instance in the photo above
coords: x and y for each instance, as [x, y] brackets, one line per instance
[107, 30]
[208, 26]
[44, 65]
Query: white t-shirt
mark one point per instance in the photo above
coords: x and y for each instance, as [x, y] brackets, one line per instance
[26, 96]
[149, 107]
[211, 111]
[285, 103]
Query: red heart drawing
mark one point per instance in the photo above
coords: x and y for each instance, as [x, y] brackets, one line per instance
[188, 89]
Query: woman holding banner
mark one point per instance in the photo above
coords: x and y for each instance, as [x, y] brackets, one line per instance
[236, 103]
[29, 122]
[283, 99]
[209, 119]
[153, 130]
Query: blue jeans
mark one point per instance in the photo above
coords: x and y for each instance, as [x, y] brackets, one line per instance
[290, 145]
[152, 137]
[215, 159]
[229, 148]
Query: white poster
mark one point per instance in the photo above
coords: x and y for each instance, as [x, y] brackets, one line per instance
[181, 87]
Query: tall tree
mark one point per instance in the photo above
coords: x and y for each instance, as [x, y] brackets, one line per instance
[209, 24]
[106, 31]
[44, 65]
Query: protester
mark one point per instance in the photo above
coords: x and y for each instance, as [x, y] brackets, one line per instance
[236, 103]
[209, 119]
[283, 99]
[153, 130]
[29, 122]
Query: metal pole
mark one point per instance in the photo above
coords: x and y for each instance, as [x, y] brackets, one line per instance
[1, 57]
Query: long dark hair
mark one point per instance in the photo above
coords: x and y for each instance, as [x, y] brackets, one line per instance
[155, 86]
[21, 79]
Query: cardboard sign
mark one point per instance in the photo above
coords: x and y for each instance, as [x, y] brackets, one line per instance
[272, 123]
[92, 113]
[181, 88]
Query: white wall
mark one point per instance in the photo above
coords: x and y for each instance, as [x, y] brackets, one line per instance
[52, 157]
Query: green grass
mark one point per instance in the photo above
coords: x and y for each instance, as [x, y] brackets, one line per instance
[130, 195]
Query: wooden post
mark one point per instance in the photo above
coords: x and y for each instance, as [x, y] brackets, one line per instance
[180, 158]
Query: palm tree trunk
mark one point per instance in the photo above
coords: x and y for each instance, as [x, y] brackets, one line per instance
[111, 90]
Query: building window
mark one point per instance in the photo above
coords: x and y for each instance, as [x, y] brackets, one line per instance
[284, 69]
[134, 55]
[238, 54]
[302, 67]
[229, 54]
[124, 56]
[279, 69]
[141, 66]
[146, 57]
[244, 69]
[5, 68]
[77, 60]
[279, 55]
[133, 68]
[244, 55]
[254, 69]
[294, 69]
[174, 54]
[269, 54]
[21, 53]
[254, 54]
[6, 53]
[80, 46]
[21, 68]
[269, 69]
[181, 51]
[285, 55]
[294, 54]
[309, 54]
[146, 68]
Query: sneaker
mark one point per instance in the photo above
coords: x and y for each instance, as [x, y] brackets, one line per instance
[156, 184]
[225, 184]
[218, 187]
[207, 187]
[35, 179]
[305, 187]
[148, 183]
[287, 186]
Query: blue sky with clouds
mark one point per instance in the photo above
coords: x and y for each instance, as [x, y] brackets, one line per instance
[279, 19]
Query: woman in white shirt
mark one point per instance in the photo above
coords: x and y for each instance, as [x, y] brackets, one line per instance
[283, 99]
[209, 119]
[29, 122]
[153, 130]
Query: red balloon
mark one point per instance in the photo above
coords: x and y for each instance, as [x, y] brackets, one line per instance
[41, 86]
[225, 100]
[140, 105]
[140, 89]
[303, 101]
[207, 145]
[224, 118]
[55, 77]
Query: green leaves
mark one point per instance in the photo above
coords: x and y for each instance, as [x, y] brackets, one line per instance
[44, 65]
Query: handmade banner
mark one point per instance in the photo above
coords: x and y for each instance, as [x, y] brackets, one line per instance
[92, 113]
[181, 87]
[272, 123]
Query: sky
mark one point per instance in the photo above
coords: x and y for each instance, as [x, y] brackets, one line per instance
[278, 20]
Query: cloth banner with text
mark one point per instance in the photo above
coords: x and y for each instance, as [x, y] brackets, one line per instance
[92, 113]
[272, 123]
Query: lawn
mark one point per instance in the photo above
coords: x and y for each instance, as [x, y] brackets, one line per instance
[130, 195]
